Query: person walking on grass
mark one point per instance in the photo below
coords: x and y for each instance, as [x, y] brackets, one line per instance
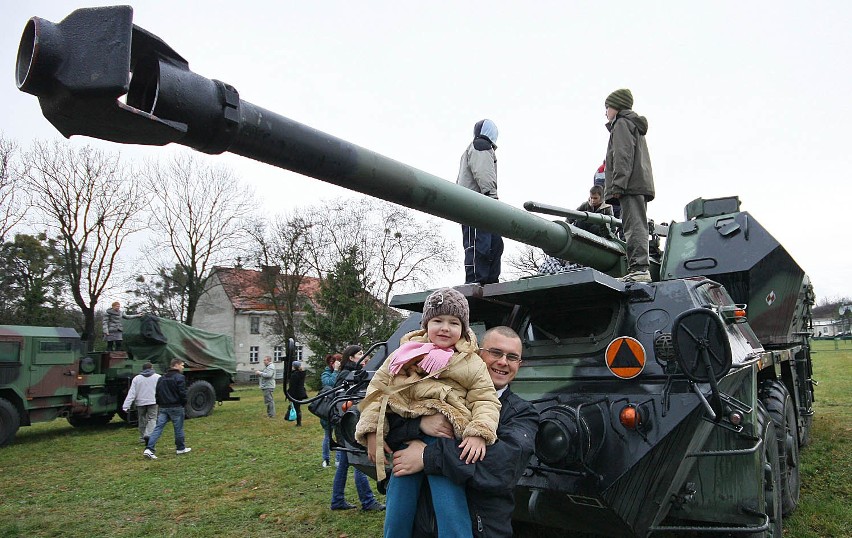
[329, 380]
[171, 398]
[143, 392]
[267, 385]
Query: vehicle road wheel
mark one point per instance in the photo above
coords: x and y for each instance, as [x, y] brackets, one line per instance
[200, 399]
[771, 473]
[10, 421]
[87, 422]
[779, 405]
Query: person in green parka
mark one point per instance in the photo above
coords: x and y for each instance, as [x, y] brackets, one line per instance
[629, 178]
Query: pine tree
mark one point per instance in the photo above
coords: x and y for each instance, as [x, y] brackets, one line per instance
[345, 312]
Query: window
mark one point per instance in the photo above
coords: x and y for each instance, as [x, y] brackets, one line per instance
[277, 353]
[10, 352]
[254, 354]
[254, 324]
[298, 352]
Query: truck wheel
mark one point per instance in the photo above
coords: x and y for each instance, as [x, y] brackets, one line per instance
[779, 405]
[805, 432]
[10, 421]
[771, 473]
[88, 422]
[200, 399]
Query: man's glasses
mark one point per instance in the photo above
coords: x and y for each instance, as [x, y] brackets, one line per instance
[498, 354]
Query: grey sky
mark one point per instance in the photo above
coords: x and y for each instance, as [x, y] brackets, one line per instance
[742, 98]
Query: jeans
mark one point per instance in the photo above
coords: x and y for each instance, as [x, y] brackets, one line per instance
[326, 446]
[147, 418]
[269, 400]
[448, 499]
[175, 414]
[362, 485]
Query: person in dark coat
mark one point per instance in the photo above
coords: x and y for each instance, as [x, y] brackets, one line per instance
[113, 328]
[595, 204]
[489, 483]
[297, 388]
[629, 179]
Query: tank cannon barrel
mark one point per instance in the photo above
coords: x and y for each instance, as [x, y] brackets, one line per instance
[547, 209]
[80, 82]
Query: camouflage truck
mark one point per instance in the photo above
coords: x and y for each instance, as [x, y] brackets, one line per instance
[674, 408]
[45, 372]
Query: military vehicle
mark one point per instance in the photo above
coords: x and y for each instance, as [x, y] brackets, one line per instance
[45, 372]
[671, 408]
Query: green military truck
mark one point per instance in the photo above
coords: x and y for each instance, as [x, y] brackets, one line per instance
[45, 372]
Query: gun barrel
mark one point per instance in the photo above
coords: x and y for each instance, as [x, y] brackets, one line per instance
[79, 82]
[537, 207]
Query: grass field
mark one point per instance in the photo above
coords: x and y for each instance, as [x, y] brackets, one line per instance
[249, 476]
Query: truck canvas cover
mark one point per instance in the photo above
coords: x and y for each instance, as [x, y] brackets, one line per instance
[160, 340]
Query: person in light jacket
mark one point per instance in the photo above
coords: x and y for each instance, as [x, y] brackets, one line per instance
[267, 385]
[142, 392]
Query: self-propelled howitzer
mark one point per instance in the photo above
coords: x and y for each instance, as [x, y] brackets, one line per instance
[663, 410]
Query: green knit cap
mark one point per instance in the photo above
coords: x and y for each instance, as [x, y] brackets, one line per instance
[620, 99]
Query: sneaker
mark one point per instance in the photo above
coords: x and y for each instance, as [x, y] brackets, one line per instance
[148, 453]
[637, 276]
[325, 463]
[184, 451]
[375, 507]
[344, 506]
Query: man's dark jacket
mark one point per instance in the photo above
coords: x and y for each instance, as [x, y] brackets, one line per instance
[490, 483]
[171, 389]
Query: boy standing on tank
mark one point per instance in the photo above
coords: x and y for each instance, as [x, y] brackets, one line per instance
[478, 172]
[629, 178]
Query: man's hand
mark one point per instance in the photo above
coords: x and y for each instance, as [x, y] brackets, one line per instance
[473, 449]
[410, 459]
[436, 425]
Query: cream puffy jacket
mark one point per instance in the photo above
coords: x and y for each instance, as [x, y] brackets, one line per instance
[463, 392]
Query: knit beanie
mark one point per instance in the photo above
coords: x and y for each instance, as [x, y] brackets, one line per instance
[297, 365]
[620, 99]
[447, 302]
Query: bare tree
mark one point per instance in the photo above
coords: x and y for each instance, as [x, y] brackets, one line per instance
[200, 212]
[404, 254]
[526, 261]
[392, 250]
[389, 238]
[12, 198]
[284, 247]
[89, 202]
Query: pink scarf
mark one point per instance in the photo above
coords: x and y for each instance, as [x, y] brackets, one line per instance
[436, 357]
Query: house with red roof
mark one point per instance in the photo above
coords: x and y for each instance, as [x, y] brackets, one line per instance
[238, 302]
